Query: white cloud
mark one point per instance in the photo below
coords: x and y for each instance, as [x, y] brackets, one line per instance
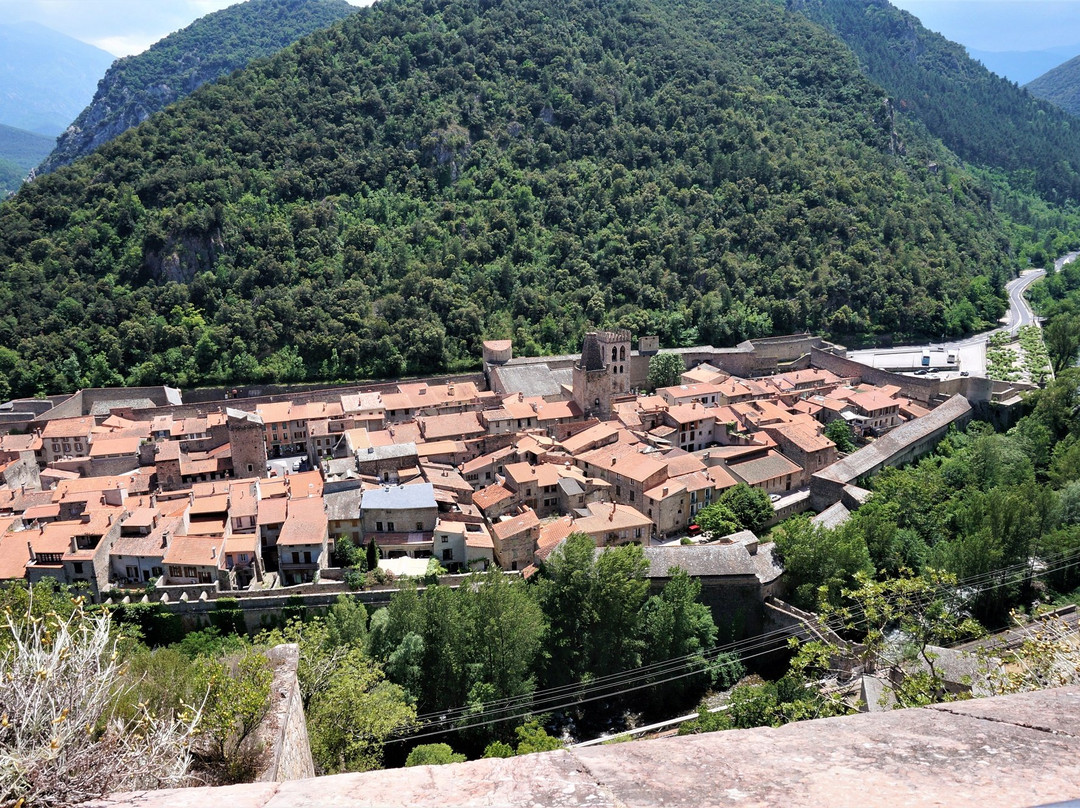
[121, 27]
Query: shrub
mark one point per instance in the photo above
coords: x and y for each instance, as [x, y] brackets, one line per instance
[61, 740]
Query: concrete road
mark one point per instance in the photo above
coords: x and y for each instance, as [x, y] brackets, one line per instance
[1020, 313]
[970, 351]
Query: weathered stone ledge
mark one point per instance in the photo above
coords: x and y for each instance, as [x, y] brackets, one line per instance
[1019, 750]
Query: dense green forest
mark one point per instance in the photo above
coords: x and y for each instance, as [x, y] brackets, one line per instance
[985, 119]
[382, 196]
[20, 151]
[136, 87]
[1060, 86]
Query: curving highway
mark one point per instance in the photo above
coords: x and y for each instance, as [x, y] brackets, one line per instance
[971, 351]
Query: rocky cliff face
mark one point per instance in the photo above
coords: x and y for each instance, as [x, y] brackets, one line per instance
[136, 87]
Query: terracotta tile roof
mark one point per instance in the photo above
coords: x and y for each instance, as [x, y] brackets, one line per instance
[305, 482]
[20, 443]
[195, 551]
[769, 467]
[508, 528]
[69, 427]
[439, 448]
[454, 425]
[305, 522]
[489, 459]
[272, 511]
[218, 503]
[626, 460]
[275, 412]
[150, 545]
[106, 447]
[552, 534]
[593, 435]
[242, 543]
[492, 495]
[680, 462]
[557, 411]
[14, 553]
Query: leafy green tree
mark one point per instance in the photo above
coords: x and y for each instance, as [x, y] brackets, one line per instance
[592, 604]
[533, 738]
[351, 719]
[675, 625]
[839, 432]
[432, 754]
[665, 370]
[718, 519]
[498, 749]
[751, 507]
[898, 621]
[237, 697]
[819, 563]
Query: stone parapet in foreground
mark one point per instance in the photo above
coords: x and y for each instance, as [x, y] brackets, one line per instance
[1019, 750]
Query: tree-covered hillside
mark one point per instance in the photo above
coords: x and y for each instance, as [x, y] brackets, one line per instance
[1060, 86]
[136, 87]
[20, 151]
[983, 118]
[383, 195]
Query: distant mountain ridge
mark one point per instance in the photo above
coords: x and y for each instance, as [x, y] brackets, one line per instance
[45, 77]
[1060, 86]
[213, 46]
[1024, 66]
[985, 119]
[20, 151]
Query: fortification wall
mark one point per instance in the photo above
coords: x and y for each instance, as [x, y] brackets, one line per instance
[283, 732]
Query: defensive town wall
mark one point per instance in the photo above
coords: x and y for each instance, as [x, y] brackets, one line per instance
[283, 734]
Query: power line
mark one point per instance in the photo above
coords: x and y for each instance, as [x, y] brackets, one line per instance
[631, 679]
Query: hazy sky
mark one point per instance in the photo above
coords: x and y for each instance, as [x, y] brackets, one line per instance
[121, 27]
[1001, 25]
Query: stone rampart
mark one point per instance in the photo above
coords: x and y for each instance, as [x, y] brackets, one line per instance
[1000, 752]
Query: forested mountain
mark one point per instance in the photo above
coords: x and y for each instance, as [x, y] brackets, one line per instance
[45, 77]
[383, 195]
[1060, 86]
[983, 118]
[136, 87]
[20, 151]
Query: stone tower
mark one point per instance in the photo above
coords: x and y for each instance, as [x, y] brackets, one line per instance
[247, 436]
[603, 372]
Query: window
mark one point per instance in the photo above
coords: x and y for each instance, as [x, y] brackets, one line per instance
[78, 565]
[389, 527]
[189, 572]
[307, 556]
[419, 525]
[378, 526]
[243, 558]
[251, 468]
[447, 555]
[445, 539]
[296, 558]
[176, 572]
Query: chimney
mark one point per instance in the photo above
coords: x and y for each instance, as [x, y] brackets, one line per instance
[665, 491]
[213, 552]
[450, 389]
[521, 396]
[613, 460]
